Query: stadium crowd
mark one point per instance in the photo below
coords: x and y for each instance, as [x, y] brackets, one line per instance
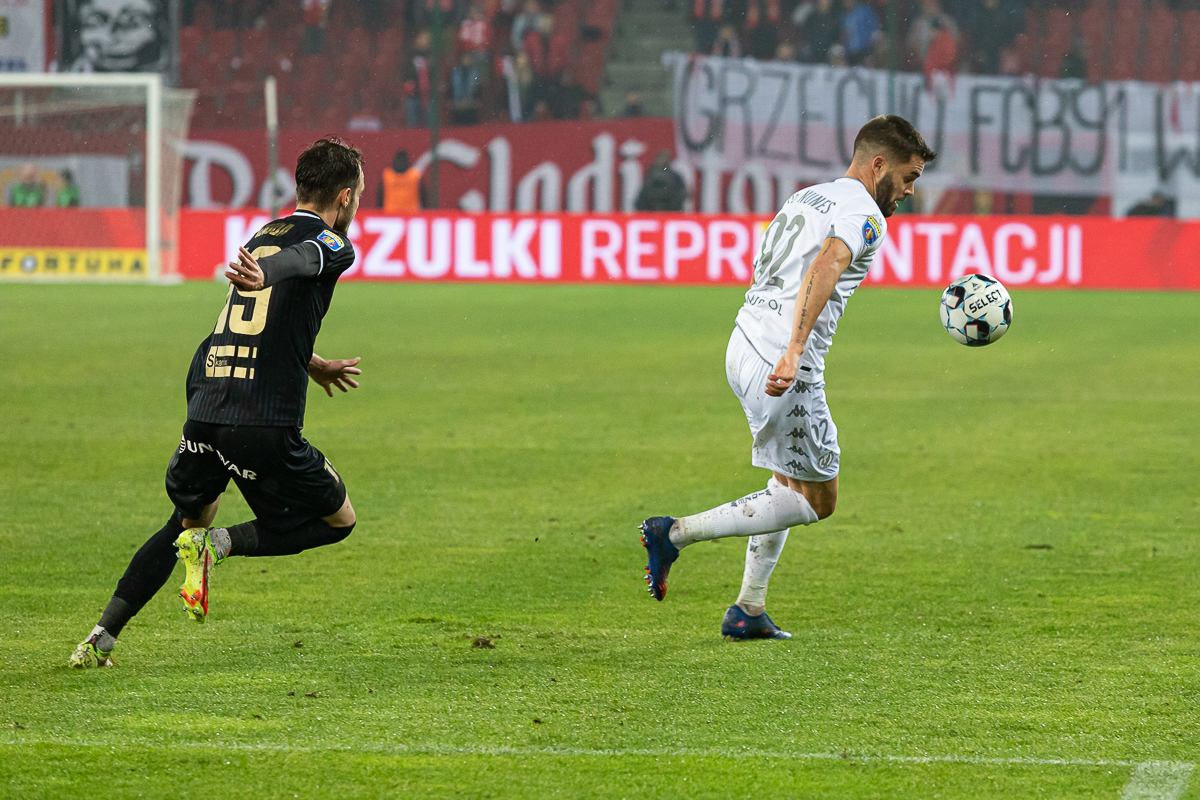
[371, 62]
[1153, 40]
[368, 64]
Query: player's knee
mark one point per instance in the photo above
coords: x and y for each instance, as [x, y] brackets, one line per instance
[824, 506]
[343, 518]
[822, 500]
[339, 532]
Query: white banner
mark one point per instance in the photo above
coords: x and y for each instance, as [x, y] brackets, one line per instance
[754, 131]
[22, 35]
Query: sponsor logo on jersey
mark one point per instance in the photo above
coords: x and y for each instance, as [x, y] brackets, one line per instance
[331, 240]
[871, 230]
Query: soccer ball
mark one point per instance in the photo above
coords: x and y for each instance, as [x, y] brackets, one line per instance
[976, 310]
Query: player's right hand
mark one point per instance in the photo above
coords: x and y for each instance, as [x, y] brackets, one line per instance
[245, 273]
[781, 378]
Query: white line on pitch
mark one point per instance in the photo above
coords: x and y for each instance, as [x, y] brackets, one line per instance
[1181, 771]
[1157, 780]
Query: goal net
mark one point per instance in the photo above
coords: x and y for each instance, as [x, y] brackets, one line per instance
[90, 173]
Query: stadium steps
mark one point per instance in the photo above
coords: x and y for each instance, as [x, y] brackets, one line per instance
[644, 32]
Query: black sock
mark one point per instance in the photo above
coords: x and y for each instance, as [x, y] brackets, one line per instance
[243, 538]
[115, 615]
[150, 568]
[254, 539]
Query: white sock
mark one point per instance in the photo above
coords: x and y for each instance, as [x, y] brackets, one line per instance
[106, 640]
[773, 509]
[220, 541]
[762, 553]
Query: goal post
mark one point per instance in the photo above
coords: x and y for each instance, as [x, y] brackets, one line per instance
[91, 170]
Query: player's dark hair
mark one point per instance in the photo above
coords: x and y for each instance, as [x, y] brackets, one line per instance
[325, 168]
[895, 135]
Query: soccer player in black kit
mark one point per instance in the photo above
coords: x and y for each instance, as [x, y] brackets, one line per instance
[246, 390]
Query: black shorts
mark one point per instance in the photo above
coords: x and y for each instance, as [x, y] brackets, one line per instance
[285, 480]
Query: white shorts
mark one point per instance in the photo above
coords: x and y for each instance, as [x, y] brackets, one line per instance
[794, 435]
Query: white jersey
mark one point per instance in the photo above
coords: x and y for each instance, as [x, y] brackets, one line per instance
[842, 209]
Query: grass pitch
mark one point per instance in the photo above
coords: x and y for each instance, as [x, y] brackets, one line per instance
[1004, 605]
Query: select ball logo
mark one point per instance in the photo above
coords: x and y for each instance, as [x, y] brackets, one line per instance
[976, 310]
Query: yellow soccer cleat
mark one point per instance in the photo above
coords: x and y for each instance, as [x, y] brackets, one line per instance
[195, 548]
[88, 655]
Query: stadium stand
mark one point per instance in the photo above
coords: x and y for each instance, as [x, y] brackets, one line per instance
[367, 64]
[1148, 40]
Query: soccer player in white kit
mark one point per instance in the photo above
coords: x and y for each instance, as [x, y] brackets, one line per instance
[814, 255]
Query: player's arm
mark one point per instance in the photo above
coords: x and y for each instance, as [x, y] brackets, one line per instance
[815, 290]
[249, 274]
[328, 373]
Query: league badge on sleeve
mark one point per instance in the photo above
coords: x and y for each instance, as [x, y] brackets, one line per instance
[871, 231]
[335, 242]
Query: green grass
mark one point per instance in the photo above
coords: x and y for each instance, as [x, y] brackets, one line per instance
[503, 447]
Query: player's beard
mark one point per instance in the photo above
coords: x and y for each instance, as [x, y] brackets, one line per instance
[344, 218]
[885, 194]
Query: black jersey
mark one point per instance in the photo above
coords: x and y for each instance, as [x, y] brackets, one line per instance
[253, 368]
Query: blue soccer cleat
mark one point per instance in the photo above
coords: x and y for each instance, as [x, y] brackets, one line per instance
[656, 538]
[739, 625]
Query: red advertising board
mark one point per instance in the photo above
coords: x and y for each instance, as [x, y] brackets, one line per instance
[547, 166]
[1027, 251]
[1035, 252]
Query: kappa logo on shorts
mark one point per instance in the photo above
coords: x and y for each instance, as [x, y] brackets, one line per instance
[871, 230]
[797, 433]
[331, 240]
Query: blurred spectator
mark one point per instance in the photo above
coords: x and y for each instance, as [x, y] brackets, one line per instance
[861, 25]
[464, 90]
[474, 33]
[316, 20]
[415, 77]
[837, 56]
[522, 79]
[400, 190]
[821, 21]
[633, 106]
[728, 44]
[942, 55]
[589, 110]
[662, 188]
[67, 195]
[991, 25]
[30, 192]
[1075, 62]
[762, 23]
[529, 19]
[925, 28]
[706, 20]
[474, 36]
[785, 52]
[1158, 205]
[541, 112]
[567, 98]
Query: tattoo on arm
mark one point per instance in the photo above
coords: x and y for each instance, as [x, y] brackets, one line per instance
[804, 309]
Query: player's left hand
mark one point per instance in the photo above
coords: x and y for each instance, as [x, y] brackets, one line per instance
[245, 273]
[328, 373]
